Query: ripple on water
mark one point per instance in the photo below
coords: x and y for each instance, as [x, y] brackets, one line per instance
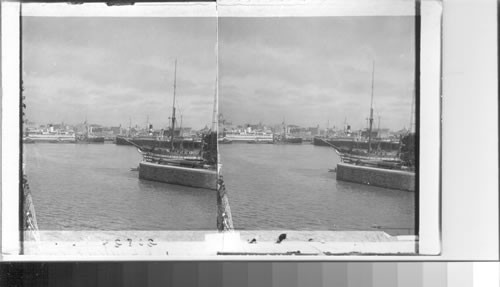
[290, 187]
[92, 187]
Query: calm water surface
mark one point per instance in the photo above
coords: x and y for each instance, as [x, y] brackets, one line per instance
[290, 187]
[92, 187]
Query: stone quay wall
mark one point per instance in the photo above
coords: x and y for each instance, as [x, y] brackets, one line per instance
[394, 179]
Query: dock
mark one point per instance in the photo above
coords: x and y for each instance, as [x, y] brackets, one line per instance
[181, 175]
[381, 177]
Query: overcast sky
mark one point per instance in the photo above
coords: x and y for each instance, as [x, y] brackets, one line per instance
[113, 69]
[307, 71]
[313, 70]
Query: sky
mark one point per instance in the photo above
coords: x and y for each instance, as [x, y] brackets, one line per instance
[313, 71]
[113, 70]
[307, 71]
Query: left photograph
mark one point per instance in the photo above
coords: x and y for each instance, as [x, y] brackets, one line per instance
[118, 125]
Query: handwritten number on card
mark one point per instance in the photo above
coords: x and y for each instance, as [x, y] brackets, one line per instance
[151, 242]
[118, 242]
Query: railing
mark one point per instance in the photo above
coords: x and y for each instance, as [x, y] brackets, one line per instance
[150, 156]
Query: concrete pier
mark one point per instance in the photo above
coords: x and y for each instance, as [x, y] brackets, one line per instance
[394, 179]
[195, 177]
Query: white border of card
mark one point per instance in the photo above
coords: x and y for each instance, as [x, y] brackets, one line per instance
[429, 239]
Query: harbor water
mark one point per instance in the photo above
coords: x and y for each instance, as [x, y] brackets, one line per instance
[92, 187]
[292, 187]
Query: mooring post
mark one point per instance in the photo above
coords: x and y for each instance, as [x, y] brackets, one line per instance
[224, 218]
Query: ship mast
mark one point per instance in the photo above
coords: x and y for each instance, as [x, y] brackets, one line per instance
[129, 126]
[86, 127]
[173, 110]
[371, 113]
[284, 128]
[214, 112]
[180, 127]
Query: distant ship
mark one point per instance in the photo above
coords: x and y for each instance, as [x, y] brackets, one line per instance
[286, 138]
[92, 139]
[259, 141]
[50, 137]
[27, 140]
[292, 140]
[89, 135]
[249, 137]
[224, 141]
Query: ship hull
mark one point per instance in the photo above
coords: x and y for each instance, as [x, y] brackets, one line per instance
[155, 142]
[93, 140]
[122, 140]
[249, 138]
[347, 144]
[224, 141]
[293, 140]
[51, 139]
[186, 176]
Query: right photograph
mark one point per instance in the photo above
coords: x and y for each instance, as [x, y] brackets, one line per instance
[317, 126]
